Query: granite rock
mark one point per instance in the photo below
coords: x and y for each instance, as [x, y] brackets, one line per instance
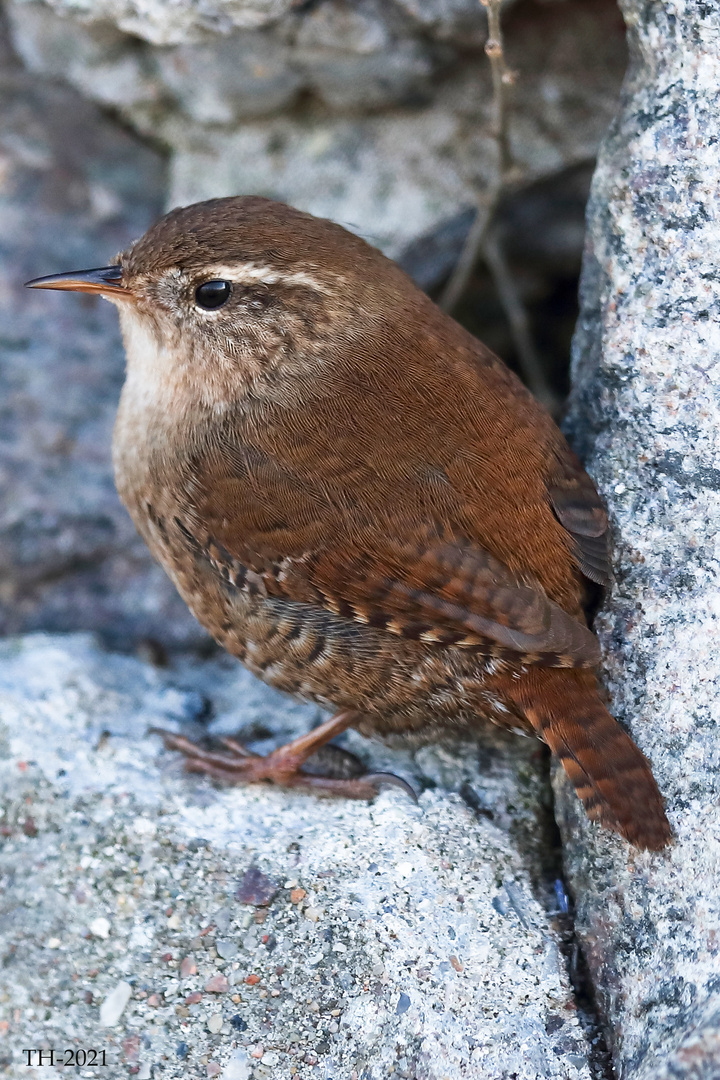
[75, 189]
[646, 414]
[245, 931]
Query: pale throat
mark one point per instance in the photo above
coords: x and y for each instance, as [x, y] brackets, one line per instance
[166, 380]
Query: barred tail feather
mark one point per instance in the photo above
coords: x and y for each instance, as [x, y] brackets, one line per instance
[611, 775]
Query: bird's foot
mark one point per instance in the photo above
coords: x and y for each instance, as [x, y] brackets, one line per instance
[238, 765]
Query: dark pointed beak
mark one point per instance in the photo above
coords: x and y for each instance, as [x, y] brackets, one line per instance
[106, 280]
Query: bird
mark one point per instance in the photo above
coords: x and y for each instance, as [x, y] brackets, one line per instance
[359, 501]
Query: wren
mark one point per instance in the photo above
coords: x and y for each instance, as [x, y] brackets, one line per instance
[359, 500]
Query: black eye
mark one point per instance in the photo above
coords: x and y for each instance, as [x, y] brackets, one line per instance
[212, 294]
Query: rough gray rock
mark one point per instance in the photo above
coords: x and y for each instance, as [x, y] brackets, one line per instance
[236, 78]
[353, 26]
[75, 189]
[164, 23]
[190, 930]
[646, 412]
[462, 21]
[376, 114]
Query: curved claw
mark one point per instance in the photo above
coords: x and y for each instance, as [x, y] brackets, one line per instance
[378, 779]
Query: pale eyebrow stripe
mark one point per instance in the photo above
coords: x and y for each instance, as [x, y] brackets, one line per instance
[251, 274]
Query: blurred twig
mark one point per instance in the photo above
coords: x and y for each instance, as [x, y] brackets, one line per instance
[457, 283]
[502, 78]
[529, 362]
[482, 239]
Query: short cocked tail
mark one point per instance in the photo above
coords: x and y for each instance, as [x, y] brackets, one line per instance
[611, 776]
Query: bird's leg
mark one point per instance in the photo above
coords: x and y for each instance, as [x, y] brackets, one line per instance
[284, 765]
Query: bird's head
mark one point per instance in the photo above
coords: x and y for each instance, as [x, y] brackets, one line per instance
[221, 294]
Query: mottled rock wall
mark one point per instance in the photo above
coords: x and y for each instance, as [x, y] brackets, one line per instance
[646, 412]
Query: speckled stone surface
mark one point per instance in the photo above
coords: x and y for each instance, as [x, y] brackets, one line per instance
[646, 412]
[193, 932]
